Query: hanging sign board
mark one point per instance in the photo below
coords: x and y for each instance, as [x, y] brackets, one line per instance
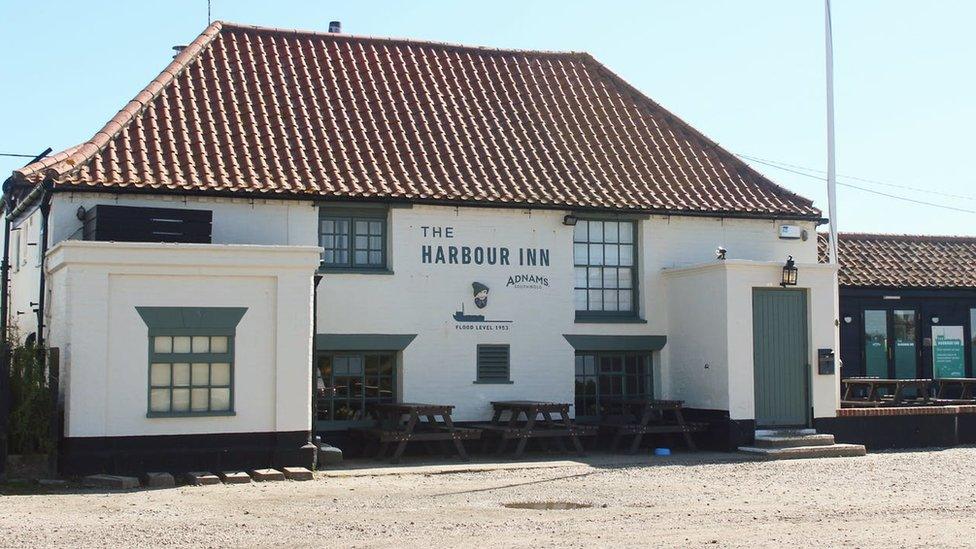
[948, 352]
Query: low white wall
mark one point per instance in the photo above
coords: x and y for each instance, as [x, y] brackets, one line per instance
[96, 287]
[698, 349]
[738, 278]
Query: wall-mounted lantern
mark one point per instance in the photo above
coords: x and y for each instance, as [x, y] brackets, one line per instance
[789, 273]
[570, 220]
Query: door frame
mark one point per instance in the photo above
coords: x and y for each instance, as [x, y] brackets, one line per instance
[806, 393]
[889, 310]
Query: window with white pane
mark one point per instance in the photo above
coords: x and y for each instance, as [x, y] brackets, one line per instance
[353, 238]
[191, 374]
[604, 256]
[191, 359]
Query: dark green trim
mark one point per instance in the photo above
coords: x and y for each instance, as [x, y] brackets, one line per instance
[596, 317]
[371, 206]
[363, 342]
[600, 343]
[192, 318]
[356, 270]
[482, 382]
[191, 414]
[609, 216]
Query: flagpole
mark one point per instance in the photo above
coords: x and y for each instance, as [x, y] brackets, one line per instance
[831, 168]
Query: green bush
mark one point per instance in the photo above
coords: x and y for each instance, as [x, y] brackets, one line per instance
[28, 431]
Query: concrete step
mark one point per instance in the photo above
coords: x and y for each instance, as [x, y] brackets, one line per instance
[785, 432]
[793, 441]
[803, 452]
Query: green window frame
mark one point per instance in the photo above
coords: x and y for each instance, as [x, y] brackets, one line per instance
[601, 376]
[605, 269]
[494, 364]
[349, 383]
[191, 360]
[353, 239]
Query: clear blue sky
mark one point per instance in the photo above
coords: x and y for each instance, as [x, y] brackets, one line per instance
[749, 74]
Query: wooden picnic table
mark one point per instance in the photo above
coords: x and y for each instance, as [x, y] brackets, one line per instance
[967, 387]
[549, 428]
[393, 429]
[895, 387]
[649, 418]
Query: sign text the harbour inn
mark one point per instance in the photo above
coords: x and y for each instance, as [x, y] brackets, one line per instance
[437, 254]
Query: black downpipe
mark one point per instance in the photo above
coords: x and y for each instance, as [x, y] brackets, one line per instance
[315, 330]
[5, 277]
[4, 349]
[42, 283]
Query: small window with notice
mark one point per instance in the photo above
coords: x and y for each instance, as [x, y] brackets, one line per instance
[494, 364]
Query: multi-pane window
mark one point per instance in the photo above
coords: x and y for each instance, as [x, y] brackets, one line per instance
[605, 266]
[191, 374]
[354, 240]
[349, 383]
[603, 377]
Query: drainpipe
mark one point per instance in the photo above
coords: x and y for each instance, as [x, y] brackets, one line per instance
[4, 350]
[315, 401]
[4, 277]
[42, 245]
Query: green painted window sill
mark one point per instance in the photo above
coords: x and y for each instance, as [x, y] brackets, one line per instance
[190, 414]
[583, 318]
[478, 382]
[353, 270]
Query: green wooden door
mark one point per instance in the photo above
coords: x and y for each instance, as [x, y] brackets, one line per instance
[779, 331]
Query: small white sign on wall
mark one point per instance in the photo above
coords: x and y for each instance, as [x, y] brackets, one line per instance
[792, 232]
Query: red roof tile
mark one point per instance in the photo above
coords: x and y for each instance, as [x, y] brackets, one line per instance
[287, 113]
[904, 261]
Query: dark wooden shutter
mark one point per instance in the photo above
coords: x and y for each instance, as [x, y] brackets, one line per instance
[494, 363]
[137, 224]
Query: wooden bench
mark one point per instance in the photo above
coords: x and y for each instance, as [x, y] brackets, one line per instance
[649, 419]
[393, 429]
[549, 428]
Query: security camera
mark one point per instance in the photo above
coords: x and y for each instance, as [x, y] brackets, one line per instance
[720, 253]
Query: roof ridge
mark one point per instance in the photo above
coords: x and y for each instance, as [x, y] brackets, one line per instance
[393, 40]
[75, 157]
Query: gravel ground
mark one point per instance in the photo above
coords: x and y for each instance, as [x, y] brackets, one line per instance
[900, 499]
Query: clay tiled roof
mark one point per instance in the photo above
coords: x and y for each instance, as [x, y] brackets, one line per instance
[904, 261]
[257, 111]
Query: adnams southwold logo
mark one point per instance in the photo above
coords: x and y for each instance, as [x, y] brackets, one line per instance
[527, 281]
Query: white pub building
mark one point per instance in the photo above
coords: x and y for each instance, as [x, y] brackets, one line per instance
[285, 228]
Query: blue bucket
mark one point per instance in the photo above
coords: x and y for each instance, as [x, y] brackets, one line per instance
[663, 452]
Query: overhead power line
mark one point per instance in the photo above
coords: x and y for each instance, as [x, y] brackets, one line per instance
[855, 178]
[19, 155]
[865, 189]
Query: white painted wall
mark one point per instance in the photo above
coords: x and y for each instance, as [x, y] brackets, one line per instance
[698, 365]
[420, 298]
[104, 343]
[24, 275]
